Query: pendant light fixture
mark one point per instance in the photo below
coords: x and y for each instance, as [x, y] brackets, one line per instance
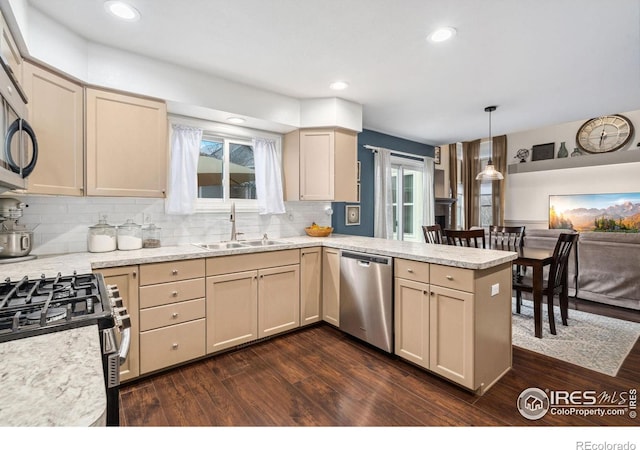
[490, 173]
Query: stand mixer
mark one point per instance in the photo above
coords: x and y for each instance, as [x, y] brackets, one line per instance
[16, 241]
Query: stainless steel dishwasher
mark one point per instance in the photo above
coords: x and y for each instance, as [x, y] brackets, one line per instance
[366, 308]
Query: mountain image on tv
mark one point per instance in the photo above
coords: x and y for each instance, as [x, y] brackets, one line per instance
[596, 212]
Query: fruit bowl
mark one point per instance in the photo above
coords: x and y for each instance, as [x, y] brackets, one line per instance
[318, 231]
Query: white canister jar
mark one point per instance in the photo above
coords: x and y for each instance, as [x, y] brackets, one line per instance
[101, 237]
[129, 236]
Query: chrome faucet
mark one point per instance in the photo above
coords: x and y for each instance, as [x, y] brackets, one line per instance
[232, 219]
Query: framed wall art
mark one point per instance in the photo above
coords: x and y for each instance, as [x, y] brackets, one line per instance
[596, 212]
[352, 215]
[436, 155]
[543, 151]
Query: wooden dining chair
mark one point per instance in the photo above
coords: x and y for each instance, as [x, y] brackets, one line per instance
[432, 234]
[555, 283]
[507, 238]
[465, 238]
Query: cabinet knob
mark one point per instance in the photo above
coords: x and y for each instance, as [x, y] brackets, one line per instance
[410, 270]
[175, 346]
[449, 277]
[432, 293]
[174, 272]
[174, 315]
[174, 293]
[134, 274]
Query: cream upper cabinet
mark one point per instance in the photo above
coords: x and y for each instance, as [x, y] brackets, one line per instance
[331, 286]
[10, 52]
[310, 285]
[320, 164]
[56, 113]
[126, 145]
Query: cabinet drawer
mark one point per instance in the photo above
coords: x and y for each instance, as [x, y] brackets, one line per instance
[452, 277]
[165, 293]
[173, 314]
[171, 271]
[253, 261]
[172, 345]
[412, 270]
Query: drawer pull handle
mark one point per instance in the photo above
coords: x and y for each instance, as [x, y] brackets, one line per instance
[174, 315]
[174, 346]
[174, 272]
[410, 270]
[174, 293]
[449, 277]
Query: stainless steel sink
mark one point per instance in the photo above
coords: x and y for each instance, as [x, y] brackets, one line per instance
[263, 242]
[221, 245]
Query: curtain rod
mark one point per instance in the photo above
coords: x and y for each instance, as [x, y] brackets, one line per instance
[395, 152]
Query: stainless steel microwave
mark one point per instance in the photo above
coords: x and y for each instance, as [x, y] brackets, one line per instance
[19, 152]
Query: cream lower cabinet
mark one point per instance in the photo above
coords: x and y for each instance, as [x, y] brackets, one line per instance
[245, 305]
[172, 313]
[232, 305]
[310, 285]
[454, 322]
[126, 278]
[331, 286]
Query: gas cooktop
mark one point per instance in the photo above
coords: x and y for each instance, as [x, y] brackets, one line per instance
[34, 306]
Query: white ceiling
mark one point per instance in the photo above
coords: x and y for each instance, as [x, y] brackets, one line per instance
[543, 62]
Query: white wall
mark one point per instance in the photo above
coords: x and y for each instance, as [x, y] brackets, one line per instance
[62, 223]
[527, 200]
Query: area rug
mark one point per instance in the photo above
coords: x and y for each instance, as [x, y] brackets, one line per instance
[595, 342]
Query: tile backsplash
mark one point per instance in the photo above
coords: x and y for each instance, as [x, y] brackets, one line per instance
[61, 224]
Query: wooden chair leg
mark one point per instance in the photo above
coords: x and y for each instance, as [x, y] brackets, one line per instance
[564, 305]
[552, 320]
[518, 300]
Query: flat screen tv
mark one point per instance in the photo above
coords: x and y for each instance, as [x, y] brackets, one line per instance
[596, 212]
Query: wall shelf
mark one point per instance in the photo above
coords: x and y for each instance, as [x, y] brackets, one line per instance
[619, 157]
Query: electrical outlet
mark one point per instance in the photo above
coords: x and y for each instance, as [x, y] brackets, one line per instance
[495, 289]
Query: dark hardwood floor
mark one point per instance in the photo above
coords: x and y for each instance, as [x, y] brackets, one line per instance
[318, 376]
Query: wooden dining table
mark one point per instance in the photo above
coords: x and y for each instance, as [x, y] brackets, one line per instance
[536, 258]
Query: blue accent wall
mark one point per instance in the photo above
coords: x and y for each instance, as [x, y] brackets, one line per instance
[367, 195]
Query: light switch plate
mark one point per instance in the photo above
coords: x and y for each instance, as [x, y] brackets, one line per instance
[495, 289]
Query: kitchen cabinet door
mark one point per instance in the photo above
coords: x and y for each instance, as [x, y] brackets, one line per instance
[126, 145]
[56, 113]
[232, 310]
[451, 335]
[412, 321]
[9, 50]
[278, 300]
[320, 164]
[126, 278]
[331, 286]
[310, 285]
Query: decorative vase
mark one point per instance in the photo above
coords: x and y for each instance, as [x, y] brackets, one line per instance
[576, 152]
[563, 153]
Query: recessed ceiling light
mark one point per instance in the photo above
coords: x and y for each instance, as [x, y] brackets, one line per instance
[236, 120]
[122, 10]
[339, 85]
[442, 34]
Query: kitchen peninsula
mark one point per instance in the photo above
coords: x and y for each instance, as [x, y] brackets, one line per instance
[466, 291]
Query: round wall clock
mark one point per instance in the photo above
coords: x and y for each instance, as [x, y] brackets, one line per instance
[604, 134]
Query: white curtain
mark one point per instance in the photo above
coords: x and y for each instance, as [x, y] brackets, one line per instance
[383, 208]
[267, 157]
[429, 195]
[183, 177]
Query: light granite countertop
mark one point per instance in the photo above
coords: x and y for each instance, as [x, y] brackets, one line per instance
[50, 265]
[51, 380]
[66, 387]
